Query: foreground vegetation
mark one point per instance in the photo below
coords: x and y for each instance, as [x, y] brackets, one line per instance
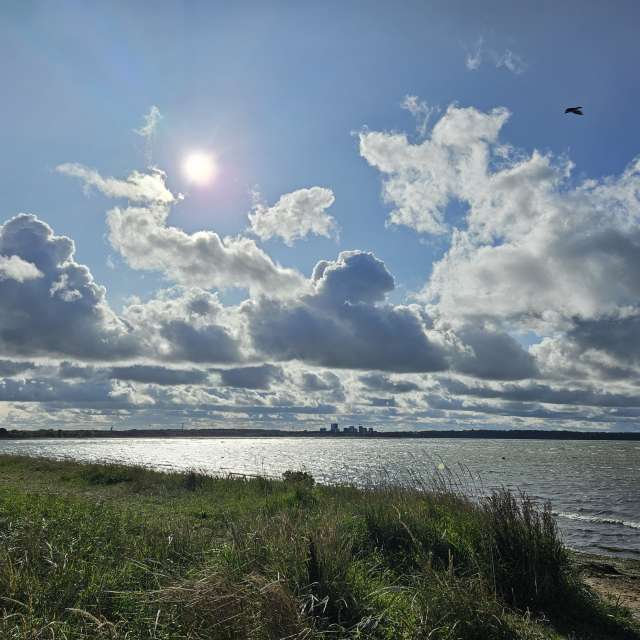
[100, 551]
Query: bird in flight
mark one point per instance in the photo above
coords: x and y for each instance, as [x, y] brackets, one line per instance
[576, 110]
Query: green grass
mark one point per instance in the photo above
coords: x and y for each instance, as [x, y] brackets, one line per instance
[101, 551]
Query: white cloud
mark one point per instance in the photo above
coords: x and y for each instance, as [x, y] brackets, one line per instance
[534, 251]
[474, 57]
[539, 252]
[148, 130]
[15, 268]
[185, 325]
[421, 179]
[138, 187]
[506, 59]
[295, 216]
[510, 61]
[203, 258]
[421, 111]
[151, 122]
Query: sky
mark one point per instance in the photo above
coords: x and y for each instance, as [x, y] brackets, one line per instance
[287, 214]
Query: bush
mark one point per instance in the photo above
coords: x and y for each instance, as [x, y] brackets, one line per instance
[299, 477]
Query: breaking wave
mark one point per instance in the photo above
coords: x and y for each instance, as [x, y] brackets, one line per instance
[597, 519]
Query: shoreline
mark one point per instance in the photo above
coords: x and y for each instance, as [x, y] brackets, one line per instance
[615, 578]
[269, 550]
[481, 434]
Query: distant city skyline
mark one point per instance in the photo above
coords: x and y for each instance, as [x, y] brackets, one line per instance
[275, 214]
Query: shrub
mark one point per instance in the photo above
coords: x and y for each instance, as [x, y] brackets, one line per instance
[299, 477]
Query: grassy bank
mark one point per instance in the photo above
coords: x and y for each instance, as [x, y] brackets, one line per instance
[96, 551]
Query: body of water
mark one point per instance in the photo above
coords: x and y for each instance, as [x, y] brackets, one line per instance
[594, 487]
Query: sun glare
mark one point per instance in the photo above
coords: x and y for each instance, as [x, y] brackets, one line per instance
[200, 168]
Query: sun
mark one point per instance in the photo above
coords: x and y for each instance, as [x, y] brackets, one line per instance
[200, 168]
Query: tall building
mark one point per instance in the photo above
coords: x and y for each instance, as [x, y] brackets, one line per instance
[334, 427]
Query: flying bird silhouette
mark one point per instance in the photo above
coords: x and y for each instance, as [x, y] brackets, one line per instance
[576, 110]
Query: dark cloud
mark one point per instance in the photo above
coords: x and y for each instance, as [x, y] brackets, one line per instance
[62, 312]
[260, 377]
[494, 355]
[543, 393]
[11, 368]
[210, 343]
[380, 382]
[68, 370]
[325, 381]
[183, 325]
[339, 326]
[158, 375]
[512, 409]
[616, 335]
[51, 390]
[382, 402]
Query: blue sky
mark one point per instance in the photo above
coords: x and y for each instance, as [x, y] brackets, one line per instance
[280, 93]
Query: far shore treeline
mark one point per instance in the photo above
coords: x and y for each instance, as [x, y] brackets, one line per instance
[510, 434]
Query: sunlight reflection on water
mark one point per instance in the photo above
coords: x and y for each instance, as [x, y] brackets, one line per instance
[593, 486]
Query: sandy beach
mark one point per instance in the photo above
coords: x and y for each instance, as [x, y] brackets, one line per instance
[617, 579]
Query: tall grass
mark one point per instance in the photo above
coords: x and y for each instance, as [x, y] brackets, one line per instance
[99, 551]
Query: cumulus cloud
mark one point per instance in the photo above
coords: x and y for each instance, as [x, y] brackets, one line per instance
[534, 249]
[185, 325]
[343, 322]
[421, 179]
[203, 259]
[296, 215]
[538, 252]
[535, 252]
[346, 323]
[62, 311]
[15, 268]
[535, 256]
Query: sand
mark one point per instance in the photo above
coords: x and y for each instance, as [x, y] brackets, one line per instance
[617, 579]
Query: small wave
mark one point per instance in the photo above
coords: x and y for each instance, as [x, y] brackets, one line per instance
[598, 520]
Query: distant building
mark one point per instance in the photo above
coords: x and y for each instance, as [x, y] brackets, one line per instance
[370, 430]
[334, 427]
[361, 430]
[350, 429]
[323, 429]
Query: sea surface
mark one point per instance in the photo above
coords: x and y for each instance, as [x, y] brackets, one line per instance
[594, 487]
